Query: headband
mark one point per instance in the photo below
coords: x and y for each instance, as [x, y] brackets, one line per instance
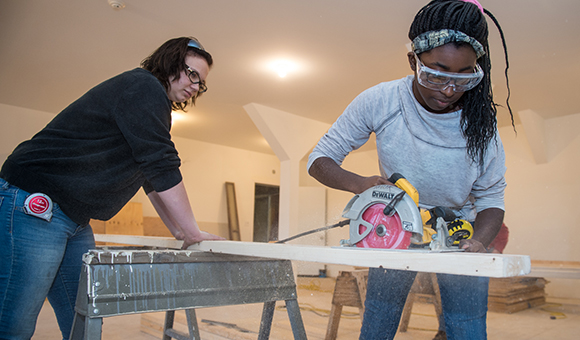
[429, 40]
[476, 3]
[195, 44]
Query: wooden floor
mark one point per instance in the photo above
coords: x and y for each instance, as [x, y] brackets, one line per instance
[555, 320]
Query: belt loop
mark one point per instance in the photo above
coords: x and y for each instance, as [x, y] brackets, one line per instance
[5, 184]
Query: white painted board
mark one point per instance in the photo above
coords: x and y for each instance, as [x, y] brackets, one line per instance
[459, 263]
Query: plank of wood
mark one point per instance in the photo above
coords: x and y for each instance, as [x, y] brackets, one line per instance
[150, 241]
[154, 226]
[517, 298]
[515, 307]
[472, 264]
[128, 221]
[506, 286]
[556, 269]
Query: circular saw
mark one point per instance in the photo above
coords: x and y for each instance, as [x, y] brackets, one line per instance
[388, 217]
[383, 216]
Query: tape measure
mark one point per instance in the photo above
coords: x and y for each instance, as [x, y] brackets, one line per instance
[38, 205]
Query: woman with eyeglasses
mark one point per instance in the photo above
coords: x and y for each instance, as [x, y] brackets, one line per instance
[437, 128]
[87, 163]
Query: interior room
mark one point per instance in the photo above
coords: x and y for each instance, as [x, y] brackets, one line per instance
[283, 72]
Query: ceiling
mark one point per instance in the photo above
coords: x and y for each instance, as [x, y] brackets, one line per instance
[51, 52]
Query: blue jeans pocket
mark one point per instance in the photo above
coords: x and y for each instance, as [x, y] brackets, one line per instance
[55, 248]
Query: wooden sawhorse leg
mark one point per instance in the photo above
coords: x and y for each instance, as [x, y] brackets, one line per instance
[350, 290]
[426, 284]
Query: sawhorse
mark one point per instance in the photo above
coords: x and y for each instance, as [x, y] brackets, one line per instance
[351, 289]
[127, 281]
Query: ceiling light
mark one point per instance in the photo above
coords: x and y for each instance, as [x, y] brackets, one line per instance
[283, 67]
[178, 117]
[115, 4]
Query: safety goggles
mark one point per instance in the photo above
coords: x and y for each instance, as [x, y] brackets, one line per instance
[440, 81]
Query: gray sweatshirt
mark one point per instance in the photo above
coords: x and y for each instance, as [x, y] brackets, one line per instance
[427, 148]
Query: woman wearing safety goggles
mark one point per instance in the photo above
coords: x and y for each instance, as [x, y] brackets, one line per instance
[437, 128]
[445, 66]
[441, 81]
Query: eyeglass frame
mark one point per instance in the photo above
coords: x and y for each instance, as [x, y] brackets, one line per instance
[201, 83]
[421, 68]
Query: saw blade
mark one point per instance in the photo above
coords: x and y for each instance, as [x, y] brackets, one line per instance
[387, 230]
[407, 218]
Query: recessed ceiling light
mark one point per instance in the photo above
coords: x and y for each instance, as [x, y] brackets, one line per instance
[179, 117]
[283, 67]
[115, 4]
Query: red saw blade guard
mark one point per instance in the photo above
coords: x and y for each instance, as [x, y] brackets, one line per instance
[387, 230]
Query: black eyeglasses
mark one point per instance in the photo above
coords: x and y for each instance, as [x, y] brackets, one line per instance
[194, 78]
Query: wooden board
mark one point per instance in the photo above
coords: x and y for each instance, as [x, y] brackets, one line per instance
[472, 264]
[515, 307]
[556, 269]
[154, 226]
[128, 221]
[233, 220]
[152, 241]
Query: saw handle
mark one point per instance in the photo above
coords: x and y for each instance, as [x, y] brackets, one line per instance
[447, 214]
[401, 182]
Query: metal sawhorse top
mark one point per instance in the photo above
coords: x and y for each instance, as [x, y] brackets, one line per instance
[139, 280]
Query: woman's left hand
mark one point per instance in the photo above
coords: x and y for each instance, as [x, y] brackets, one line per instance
[202, 236]
[472, 246]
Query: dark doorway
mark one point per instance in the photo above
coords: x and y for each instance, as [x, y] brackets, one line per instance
[266, 207]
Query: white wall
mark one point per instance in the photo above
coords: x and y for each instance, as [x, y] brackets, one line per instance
[206, 167]
[542, 199]
[18, 124]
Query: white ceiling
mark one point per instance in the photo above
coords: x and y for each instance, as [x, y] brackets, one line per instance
[51, 52]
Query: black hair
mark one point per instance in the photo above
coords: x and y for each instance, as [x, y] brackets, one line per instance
[167, 62]
[479, 111]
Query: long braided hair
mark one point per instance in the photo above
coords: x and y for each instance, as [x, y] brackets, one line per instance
[479, 111]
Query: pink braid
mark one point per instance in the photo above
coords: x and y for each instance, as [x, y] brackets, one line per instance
[475, 2]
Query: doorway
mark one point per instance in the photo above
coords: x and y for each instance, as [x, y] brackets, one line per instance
[266, 211]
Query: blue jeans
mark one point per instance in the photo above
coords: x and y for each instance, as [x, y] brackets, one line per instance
[40, 259]
[463, 299]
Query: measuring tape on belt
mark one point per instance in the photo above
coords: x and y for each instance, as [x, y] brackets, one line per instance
[39, 205]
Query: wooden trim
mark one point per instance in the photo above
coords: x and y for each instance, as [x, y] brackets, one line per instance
[556, 269]
[150, 241]
[472, 264]
[233, 221]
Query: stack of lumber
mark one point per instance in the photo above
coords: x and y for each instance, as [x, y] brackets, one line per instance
[513, 294]
[129, 221]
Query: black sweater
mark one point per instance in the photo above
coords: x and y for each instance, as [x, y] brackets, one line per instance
[94, 156]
